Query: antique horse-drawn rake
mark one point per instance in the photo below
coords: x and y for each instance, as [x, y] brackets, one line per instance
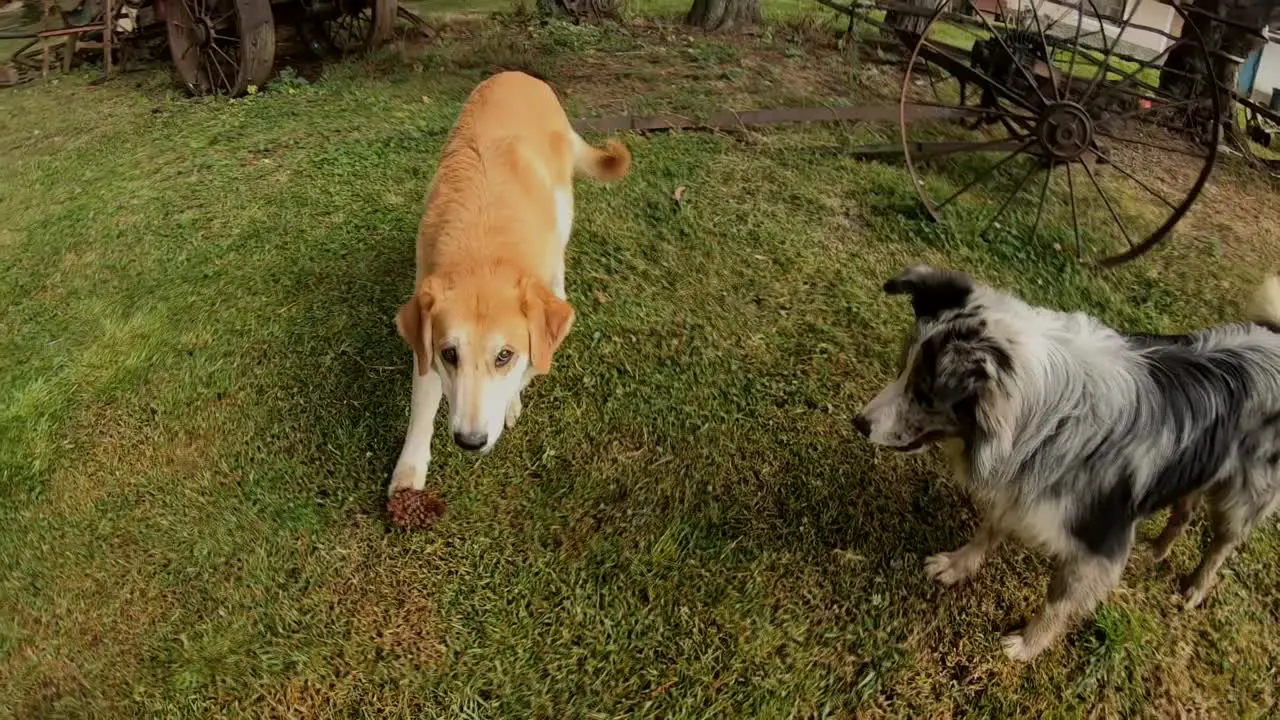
[1042, 121]
[220, 47]
[1055, 124]
[1101, 127]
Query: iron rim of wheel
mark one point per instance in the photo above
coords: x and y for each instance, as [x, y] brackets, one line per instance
[221, 47]
[1051, 121]
[348, 27]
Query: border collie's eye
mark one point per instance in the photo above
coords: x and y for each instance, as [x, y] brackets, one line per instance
[504, 357]
[449, 355]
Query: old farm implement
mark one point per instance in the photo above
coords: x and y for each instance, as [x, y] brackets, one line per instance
[216, 46]
[1095, 124]
[1088, 128]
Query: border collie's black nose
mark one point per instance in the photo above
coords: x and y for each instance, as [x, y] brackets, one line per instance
[862, 425]
[470, 441]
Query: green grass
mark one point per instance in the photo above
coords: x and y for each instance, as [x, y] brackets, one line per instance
[202, 395]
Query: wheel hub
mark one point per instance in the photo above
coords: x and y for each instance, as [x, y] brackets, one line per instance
[203, 31]
[1065, 130]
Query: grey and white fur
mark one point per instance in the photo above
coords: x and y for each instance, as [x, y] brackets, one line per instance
[1067, 433]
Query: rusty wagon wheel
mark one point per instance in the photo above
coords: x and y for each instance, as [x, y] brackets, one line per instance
[346, 27]
[221, 47]
[1068, 131]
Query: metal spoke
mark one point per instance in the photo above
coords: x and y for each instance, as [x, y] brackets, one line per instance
[214, 61]
[1044, 190]
[1148, 143]
[1106, 59]
[986, 174]
[1053, 73]
[232, 61]
[1075, 218]
[1112, 163]
[1107, 201]
[226, 38]
[1003, 206]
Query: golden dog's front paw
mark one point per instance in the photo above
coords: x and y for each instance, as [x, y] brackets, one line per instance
[407, 477]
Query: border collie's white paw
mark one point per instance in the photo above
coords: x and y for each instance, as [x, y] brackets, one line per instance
[1016, 648]
[947, 569]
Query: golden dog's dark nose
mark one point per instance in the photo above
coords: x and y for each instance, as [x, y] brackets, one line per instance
[862, 425]
[471, 441]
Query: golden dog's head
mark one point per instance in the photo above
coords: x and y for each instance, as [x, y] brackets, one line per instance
[482, 333]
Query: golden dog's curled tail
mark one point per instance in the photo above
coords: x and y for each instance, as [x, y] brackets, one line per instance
[1264, 308]
[607, 164]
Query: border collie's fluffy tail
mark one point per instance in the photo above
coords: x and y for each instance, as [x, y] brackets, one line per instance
[1264, 309]
[608, 164]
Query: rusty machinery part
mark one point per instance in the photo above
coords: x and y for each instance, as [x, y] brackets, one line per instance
[1053, 144]
[332, 28]
[221, 47]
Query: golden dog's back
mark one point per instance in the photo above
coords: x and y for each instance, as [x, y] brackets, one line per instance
[493, 196]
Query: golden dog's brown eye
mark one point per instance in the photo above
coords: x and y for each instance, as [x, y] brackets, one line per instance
[449, 355]
[504, 357]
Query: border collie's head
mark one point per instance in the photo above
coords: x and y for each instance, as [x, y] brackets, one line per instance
[949, 360]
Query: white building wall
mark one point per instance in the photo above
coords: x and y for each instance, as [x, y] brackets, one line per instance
[1268, 77]
[1150, 14]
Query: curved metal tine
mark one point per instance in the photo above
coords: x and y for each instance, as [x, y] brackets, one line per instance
[1106, 59]
[1109, 121]
[1048, 56]
[1107, 201]
[1124, 81]
[1112, 164]
[928, 72]
[1022, 183]
[1148, 143]
[1044, 191]
[988, 172]
[1030, 77]
[1075, 219]
[1005, 92]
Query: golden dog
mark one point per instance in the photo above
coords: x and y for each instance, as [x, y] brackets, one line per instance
[489, 308]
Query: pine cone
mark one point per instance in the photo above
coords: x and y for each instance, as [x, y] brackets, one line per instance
[415, 509]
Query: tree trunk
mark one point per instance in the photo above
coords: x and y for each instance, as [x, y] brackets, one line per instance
[724, 15]
[579, 10]
[1224, 42]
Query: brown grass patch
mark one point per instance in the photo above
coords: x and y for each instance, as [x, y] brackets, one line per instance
[112, 450]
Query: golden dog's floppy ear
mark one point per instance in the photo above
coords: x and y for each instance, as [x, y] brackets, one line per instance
[414, 324]
[549, 321]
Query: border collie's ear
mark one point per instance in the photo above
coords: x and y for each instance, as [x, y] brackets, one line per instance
[932, 290]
